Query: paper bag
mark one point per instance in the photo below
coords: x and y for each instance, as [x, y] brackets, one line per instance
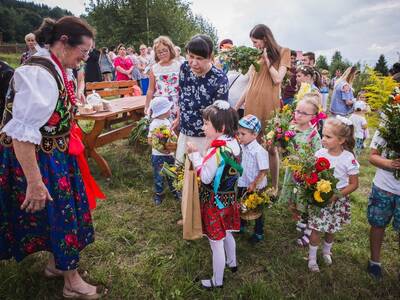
[192, 228]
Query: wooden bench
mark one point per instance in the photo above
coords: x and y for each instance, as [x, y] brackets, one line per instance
[112, 88]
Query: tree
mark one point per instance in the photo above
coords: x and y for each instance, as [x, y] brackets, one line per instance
[338, 63]
[140, 21]
[381, 66]
[321, 63]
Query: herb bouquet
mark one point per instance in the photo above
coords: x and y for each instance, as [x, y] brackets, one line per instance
[163, 139]
[389, 129]
[176, 173]
[279, 131]
[139, 132]
[241, 58]
[252, 204]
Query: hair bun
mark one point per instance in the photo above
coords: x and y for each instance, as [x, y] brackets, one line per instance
[45, 33]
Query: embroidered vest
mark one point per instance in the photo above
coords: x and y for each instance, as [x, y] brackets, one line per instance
[55, 131]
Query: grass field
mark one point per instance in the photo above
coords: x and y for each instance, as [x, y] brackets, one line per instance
[139, 252]
[11, 58]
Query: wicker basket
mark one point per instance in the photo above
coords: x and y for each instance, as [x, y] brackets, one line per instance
[252, 214]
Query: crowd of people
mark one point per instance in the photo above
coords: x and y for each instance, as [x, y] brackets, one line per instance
[199, 98]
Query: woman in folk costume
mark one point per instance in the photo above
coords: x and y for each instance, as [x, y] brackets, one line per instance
[43, 195]
[219, 172]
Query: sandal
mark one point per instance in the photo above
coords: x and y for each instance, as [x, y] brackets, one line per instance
[72, 294]
[211, 285]
[313, 267]
[303, 241]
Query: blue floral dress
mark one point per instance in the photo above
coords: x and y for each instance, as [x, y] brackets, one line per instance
[64, 227]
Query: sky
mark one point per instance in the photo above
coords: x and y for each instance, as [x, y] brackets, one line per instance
[360, 29]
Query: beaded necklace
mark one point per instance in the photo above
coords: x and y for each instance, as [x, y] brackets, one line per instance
[68, 83]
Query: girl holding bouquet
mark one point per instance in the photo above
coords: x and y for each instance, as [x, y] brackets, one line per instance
[219, 172]
[338, 142]
[305, 112]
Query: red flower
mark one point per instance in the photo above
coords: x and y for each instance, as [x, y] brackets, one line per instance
[21, 198]
[297, 176]
[54, 119]
[19, 172]
[71, 240]
[322, 164]
[30, 248]
[3, 180]
[312, 178]
[63, 184]
[218, 143]
[87, 218]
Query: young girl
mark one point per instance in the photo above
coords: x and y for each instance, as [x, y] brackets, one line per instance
[338, 142]
[164, 75]
[219, 172]
[306, 110]
[307, 74]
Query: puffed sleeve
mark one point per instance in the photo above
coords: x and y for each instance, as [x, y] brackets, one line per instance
[36, 95]
[208, 169]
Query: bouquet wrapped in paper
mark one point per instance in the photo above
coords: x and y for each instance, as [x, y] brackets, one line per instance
[241, 58]
[313, 177]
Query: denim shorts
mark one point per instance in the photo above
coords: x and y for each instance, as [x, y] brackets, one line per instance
[382, 207]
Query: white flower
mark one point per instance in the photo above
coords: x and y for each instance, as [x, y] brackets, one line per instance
[344, 120]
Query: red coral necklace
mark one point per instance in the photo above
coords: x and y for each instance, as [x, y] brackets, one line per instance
[68, 83]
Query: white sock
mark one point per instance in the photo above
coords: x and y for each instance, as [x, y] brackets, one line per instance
[230, 250]
[375, 263]
[218, 254]
[307, 231]
[327, 248]
[312, 254]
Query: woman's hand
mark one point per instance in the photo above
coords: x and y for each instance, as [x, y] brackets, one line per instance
[266, 59]
[36, 197]
[190, 148]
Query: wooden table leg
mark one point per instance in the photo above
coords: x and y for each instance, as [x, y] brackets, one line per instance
[89, 139]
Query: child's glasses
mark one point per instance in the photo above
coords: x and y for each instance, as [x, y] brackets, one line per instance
[303, 113]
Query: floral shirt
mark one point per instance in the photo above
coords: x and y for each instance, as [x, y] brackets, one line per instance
[196, 93]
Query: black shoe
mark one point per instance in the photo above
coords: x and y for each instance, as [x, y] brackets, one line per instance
[212, 286]
[374, 270]
[232, 269]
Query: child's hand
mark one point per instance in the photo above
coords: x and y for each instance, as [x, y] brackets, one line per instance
[190, 148]
[252, 187]
[395, 164]
[333, 200]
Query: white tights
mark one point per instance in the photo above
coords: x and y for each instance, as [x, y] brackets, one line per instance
[219, 248]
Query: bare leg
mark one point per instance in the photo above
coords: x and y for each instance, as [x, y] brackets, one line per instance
[274, 166]
[314, 238]
[74, 282]
[376, 235]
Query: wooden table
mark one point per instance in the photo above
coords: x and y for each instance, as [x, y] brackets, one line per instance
[127, 109]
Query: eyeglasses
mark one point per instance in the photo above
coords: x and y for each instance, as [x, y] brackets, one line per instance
[162, 51]
[303, 113]
[84, 52]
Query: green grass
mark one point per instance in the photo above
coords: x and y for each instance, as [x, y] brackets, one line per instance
[139, 252]
[12, 59]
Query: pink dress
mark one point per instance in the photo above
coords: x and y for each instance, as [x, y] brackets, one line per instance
[125, 63]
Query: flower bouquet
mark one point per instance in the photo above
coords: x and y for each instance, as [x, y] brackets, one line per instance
[279, 131]
[241, 58]
[163, 139]
[252, 204]
[313, 177]
[139, 132]
[176, 173]
[389, 128]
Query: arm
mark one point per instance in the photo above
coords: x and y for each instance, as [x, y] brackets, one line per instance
[277, 75]
[36, 192]
[81, 86]
[253, 186]
[352, 186]
[150, 92]
[377, 160]
[207, 169]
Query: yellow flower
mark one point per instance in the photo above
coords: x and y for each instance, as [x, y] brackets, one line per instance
[270, 135]
[317, 197]
[285, 108]
[324, 186]
[285, 162]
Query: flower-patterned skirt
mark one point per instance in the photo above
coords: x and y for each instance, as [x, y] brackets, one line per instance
[330, 219]
[63, 228]
[216, 222]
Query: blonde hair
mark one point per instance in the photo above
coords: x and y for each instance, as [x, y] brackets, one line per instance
[30, 36]
[166, 41]
[314, 99]
[344, 131]
[348, 75]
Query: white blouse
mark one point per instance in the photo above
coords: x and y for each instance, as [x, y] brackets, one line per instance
[209, 168]
[36, 95]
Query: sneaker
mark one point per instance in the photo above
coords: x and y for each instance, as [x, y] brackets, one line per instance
[374, 270]
[327, 259]
[256, 238]
[158, 199]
